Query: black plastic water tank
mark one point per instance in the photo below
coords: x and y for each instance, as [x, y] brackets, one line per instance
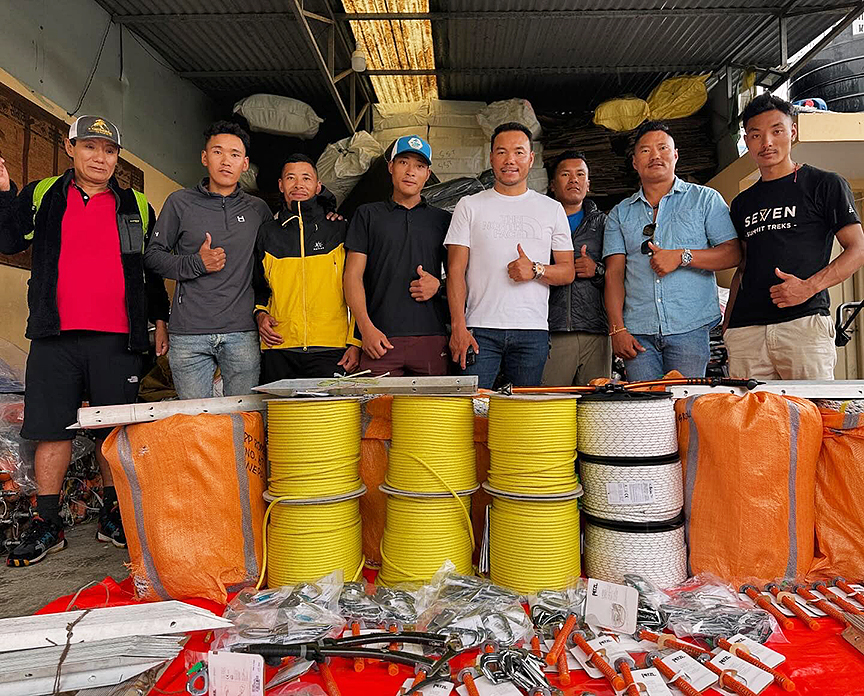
[836, 74]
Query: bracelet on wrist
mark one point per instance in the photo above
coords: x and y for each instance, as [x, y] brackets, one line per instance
[617, 329]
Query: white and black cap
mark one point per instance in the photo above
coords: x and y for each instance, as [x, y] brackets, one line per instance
[94, 127]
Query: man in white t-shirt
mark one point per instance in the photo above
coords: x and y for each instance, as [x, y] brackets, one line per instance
[506, 246]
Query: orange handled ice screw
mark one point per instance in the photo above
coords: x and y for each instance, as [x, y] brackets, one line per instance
[848, 589]
[665, 640]
[730, 682]
[563, 668]
[561, 640]
[330, 685]
[623, 666]
[392, 667]
[763, 602]
[467, 677]
[420, 675]
[822, 604]
[489, 646]
[358, 661]
[598, 661]
[680, 683]
[781, 679]
[788, 601]
[535, 645]
[834, 598]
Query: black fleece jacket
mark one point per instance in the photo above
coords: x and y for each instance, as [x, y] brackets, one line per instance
[146, 298]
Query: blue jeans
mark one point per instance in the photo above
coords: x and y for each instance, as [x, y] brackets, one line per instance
[687, 352]
[194, 358]
[521, 352]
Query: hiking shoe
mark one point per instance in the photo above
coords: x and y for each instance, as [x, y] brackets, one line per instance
[40, 539]
[110, 527]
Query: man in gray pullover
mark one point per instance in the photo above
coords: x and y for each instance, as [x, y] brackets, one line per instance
[204, 240]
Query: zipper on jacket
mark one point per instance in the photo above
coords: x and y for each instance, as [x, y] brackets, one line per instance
[303, 269]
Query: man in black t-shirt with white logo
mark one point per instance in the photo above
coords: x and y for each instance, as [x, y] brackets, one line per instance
[778, 319]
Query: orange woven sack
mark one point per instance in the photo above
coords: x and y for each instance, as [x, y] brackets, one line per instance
[190, 491]
[839, 502]
[749, 483]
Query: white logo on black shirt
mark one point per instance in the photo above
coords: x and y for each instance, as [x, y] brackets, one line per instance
[241, 218]
[779, 218]
[318, 246]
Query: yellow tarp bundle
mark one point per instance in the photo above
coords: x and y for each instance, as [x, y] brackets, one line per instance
[678, 97]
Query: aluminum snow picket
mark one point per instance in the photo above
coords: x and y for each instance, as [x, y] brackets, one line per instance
[158, 618]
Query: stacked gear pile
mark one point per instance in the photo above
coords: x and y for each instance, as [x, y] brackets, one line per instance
[534, 516]
[430, 479]
[634, 494]
[314, 490]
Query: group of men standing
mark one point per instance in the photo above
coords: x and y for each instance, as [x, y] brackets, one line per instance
[539, 289]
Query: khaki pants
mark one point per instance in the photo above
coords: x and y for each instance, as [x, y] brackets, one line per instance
[577, 357]
[798, 349]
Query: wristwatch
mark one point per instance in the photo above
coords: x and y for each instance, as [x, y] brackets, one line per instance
[686, 257]
[539, 269]
[599, 270]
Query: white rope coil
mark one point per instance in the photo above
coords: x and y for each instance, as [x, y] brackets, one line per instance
[638, 429]
[641, 493]
[659, 557]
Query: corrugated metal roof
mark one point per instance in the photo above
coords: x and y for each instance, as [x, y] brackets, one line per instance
[559, 60]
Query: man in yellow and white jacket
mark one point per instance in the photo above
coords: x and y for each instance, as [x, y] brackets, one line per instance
[300, 307]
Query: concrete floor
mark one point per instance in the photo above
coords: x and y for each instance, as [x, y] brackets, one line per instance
[24, 590]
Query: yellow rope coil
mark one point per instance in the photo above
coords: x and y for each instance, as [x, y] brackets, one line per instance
[313, 448]
[533, 545]
[432, 447]
[422, 533]
[532, 445]
[307, 542]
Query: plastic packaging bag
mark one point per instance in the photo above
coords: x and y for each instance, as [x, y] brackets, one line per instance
[17, 455]
[289, 614]
[474, 609]
[707, 608]
[449, 193]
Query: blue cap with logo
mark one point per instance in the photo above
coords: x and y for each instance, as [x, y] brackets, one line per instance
[412, 143]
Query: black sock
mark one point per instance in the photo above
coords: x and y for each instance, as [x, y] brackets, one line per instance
[48, 507]
[109, 498]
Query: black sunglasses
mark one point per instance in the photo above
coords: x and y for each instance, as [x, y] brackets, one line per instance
[648, 231]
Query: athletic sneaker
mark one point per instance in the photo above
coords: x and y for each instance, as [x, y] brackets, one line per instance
[40, 539]
[110, 527]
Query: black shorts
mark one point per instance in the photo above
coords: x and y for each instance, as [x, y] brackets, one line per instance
[281, 363]
[76, 366]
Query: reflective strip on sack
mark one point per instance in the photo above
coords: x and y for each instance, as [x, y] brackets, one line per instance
[794, 426]
[124, 451]
[239, 431]
[692, 468]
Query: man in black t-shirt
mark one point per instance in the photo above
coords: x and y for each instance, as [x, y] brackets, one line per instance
[393, 271]
[778, 319]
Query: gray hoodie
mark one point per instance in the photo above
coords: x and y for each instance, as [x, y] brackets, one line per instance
[204, 303]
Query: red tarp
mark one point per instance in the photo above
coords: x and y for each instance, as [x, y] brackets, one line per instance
[820, 662]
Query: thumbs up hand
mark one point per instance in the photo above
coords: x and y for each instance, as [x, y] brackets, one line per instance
[792, 291]
[522, 268]
[214, 259]
[584, 264]
[425, 287]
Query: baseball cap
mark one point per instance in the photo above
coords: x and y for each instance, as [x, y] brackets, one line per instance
[94, 127]
[412, 143]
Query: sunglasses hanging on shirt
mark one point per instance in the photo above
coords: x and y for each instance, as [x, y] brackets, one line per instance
[648, 231]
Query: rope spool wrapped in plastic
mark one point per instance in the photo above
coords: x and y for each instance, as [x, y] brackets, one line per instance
[657, 552]
[534, 544]
[421, 533]
[632, 491]
[314, 447]
[432, 448]
[308, 541]
[314, 486]
[635, 425]
[532, 444]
